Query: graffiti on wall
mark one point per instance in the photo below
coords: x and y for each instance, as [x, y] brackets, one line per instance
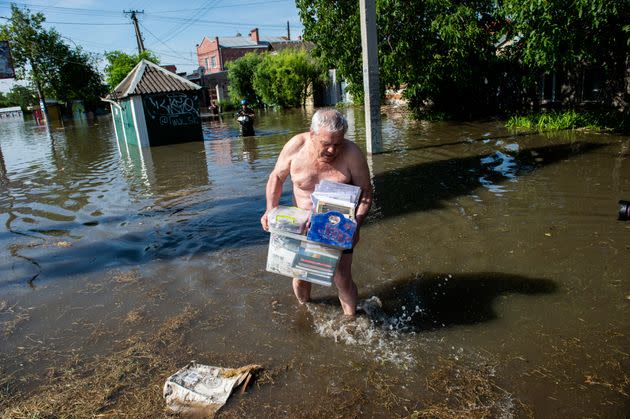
[171, 109]
[6, 65]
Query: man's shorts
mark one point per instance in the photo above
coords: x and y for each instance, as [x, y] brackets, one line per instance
[348, 251]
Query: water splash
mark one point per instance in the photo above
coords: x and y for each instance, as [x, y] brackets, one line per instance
[378, 334]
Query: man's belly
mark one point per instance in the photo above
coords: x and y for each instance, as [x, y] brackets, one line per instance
[302, 198]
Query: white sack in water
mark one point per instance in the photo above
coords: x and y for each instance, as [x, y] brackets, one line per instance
[202, 389]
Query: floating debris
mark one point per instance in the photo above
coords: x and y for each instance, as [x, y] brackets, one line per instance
[199, 389]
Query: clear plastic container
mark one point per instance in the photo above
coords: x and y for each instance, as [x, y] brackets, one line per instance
[289, 219]
[293, 256]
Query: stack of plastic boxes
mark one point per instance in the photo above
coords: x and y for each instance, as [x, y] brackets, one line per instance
[292, 255]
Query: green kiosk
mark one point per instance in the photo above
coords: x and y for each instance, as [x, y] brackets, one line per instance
[153, 106]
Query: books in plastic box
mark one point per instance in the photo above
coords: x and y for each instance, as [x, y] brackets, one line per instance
[334, 196]
[294, 256]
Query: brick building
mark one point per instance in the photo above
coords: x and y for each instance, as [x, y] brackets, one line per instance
[214, 53]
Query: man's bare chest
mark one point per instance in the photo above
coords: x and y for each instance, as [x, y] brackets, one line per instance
[305, 175]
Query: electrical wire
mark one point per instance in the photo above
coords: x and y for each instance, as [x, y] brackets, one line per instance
[225, 6]
[162, 42]
[87, 24]
[195, 19]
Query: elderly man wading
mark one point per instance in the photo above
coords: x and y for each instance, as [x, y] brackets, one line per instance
[323, 153]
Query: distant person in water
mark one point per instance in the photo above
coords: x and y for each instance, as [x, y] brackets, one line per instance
[245, 110]
[214, 109]
[323, 154]
[245, 117]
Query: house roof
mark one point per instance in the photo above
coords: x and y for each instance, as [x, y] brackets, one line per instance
[247, 42]
[239, 42]
[147, 77]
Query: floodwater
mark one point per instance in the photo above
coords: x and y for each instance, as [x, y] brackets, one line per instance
[502, 270]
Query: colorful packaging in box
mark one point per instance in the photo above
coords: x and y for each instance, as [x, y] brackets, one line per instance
[293, 256]
[333, 229]
[289, 219]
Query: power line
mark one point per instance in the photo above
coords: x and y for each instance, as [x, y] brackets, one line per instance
[225, 6]
[161, 42]
[66, 9]
[193, 19]
[224, 23]
[87, 24]
[134, 19]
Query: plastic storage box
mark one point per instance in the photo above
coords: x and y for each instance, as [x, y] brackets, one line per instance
[294, 256]
[288, 219]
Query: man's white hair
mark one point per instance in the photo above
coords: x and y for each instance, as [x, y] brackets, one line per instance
[329, 119]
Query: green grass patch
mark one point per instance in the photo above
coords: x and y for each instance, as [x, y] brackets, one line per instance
[555, 121]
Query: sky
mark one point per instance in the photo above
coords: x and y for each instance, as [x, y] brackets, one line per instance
[171, 29]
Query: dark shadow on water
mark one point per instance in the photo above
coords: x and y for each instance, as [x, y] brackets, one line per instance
[466, 141]
[435, 300]
[428, 186]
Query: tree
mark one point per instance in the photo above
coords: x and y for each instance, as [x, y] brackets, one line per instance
[442, 50]
[120, 64]
[240, 77]
[556, 36]
[22, 96]
[461, 57]
[283, 79]
[40, 55]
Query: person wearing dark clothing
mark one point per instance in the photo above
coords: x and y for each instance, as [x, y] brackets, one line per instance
[245, 117]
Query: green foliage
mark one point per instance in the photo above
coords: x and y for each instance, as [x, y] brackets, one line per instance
[442, 50]
[240, 77]
[119, 64]
[283, 79]
[334, 28]
[554, 121]
[228, 105]
[42, 56]
[22, 96]
[554, 34]
[463, 59]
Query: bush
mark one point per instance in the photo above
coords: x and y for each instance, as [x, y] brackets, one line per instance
[227, 105]
[284, 79]
[240, 75]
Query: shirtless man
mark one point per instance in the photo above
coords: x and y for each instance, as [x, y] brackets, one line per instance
[323, 153]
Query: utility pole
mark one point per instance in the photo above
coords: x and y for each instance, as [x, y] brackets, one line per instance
[371, 89]
[134, 18]
[288, 32]
[38, 86]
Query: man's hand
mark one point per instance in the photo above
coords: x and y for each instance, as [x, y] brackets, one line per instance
[264, 221]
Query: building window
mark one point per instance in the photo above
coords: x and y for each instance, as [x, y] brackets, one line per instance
[592, 85]
[548, 88]
[207, 67]
[214, 61]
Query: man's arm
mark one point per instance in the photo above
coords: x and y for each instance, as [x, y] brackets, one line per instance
[277, 177]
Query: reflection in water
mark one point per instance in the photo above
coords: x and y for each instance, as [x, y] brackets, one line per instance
[502, 164]
[250, 150]
[168, 170]
[430, 185]
[3, 169]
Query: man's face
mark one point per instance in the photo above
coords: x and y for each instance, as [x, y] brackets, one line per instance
[328, 145]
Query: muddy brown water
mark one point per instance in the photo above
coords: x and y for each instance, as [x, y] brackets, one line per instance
[493, 253]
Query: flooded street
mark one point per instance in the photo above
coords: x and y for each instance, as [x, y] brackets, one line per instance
[502, 271]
